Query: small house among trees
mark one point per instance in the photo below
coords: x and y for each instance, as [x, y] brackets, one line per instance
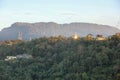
[89, 37]
[25, 56]
[9, 58]
[116, 36]
[100, 38]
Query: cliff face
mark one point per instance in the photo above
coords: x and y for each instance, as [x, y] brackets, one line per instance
[36, 30]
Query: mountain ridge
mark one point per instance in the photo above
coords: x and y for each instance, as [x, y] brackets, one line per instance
[39, 29]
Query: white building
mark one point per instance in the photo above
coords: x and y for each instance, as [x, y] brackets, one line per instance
[21, 56]
[8, 58]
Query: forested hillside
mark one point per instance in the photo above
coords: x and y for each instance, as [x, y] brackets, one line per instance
[61, 58]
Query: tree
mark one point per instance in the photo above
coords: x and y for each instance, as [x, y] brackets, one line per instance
[84, 76]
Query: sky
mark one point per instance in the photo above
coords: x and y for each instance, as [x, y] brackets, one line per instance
[106, 12]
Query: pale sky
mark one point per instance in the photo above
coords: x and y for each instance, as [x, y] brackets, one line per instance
[105, 12]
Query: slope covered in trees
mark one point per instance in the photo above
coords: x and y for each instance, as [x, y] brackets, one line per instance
[60, 58]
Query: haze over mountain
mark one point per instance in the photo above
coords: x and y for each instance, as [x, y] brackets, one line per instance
[36, 30]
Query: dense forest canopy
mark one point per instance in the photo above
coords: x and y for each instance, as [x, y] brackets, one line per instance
[61, 58]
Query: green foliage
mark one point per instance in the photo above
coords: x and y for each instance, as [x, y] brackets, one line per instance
[60, 58]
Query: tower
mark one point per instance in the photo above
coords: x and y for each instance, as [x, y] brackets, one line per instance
[20, 36]
[75, 36]
[30, 39]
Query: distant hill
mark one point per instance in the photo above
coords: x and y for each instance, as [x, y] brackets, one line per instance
[36, 30]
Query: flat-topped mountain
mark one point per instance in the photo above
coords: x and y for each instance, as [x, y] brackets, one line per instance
[36, 30]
